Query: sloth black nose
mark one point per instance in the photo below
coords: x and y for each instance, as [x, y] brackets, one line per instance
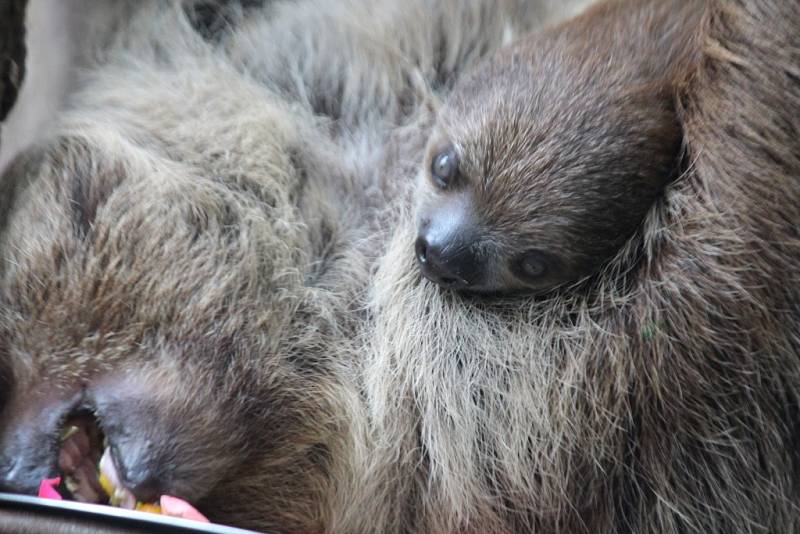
[137, 475]
[451, 266]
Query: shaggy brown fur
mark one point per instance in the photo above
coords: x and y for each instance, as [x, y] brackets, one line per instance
[192, 259]
[562, 142]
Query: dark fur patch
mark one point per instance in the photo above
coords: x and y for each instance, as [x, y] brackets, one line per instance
[213, 19]
[83, 211]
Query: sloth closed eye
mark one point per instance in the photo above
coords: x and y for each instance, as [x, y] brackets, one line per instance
[444, 168]
[533, 264]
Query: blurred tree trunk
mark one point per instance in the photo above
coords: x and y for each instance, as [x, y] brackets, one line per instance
[12, 52]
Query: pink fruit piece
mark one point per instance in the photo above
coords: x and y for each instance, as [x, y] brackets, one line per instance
[47, 488]
[175, 507]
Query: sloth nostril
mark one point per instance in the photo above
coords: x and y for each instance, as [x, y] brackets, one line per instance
[422, 250]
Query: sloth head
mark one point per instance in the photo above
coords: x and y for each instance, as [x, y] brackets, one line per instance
[134, 309]
[545, 160]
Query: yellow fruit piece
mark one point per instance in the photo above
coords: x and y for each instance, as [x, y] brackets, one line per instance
[146, 507]
[106, 484]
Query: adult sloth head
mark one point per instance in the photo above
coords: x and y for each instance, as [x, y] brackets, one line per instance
[154, 260]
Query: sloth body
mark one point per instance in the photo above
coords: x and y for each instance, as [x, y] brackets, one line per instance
[214, 258]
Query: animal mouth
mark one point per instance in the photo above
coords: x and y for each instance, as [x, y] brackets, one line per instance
[88, 471]
[80, 450]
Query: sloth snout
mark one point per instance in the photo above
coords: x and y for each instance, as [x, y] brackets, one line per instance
[453, 267]
[138, 472]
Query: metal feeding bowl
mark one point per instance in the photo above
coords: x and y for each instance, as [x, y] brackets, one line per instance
[34, 515]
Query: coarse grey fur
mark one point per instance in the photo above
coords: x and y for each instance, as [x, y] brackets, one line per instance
[217, 258]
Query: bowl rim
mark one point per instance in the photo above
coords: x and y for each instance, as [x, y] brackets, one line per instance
[117, 517]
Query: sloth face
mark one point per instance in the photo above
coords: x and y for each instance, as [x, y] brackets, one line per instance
[547, 157]
[137, 318]
[94, 336]
[539, 169]
[455, 248]
[458, 248]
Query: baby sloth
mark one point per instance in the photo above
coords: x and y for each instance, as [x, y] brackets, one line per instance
[545, 160]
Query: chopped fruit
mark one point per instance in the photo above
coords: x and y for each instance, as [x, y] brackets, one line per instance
[47, 488]
[118, 495]
[174, 507]
[106, 484]
[151, 508]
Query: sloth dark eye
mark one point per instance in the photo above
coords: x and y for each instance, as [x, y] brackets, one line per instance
[444, 168]
[533, 264]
